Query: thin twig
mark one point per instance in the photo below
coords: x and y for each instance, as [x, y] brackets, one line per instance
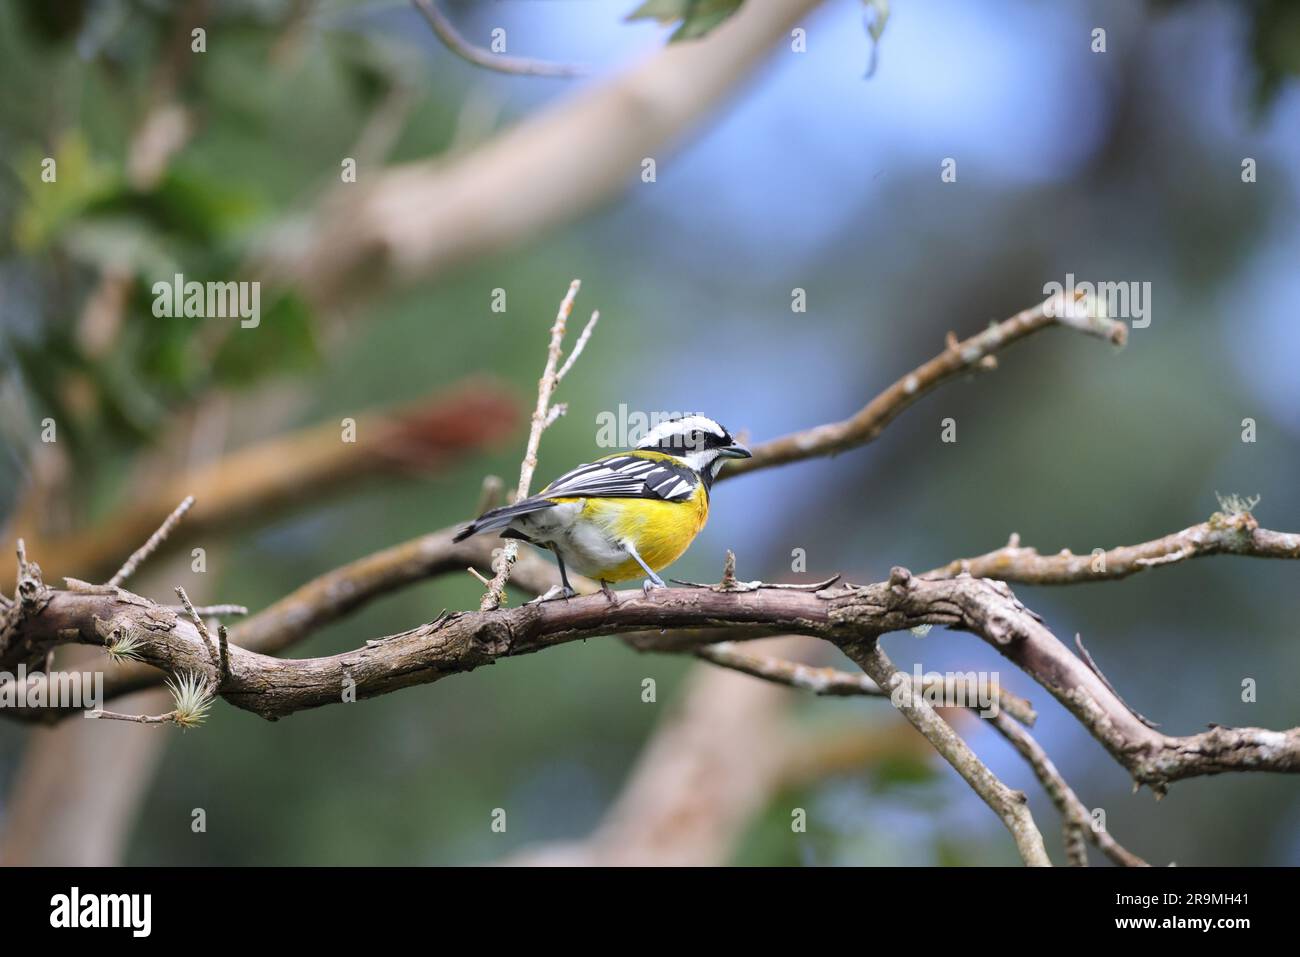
[834, 682]
[457, 44]
[958, 358]
[1009, 805]
[578, 346]
[557, 410]
[545, 389]
[168, 718]
[1223, 534]
[200, 626]
[223, 642]
[213, 611]
[1076, 820]
[148, 548]
[1092, 666]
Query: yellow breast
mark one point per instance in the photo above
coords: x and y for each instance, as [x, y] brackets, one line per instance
[660, 531]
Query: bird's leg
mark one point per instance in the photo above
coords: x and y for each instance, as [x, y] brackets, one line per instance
[567, 591]
[654, 581]
[607, 591]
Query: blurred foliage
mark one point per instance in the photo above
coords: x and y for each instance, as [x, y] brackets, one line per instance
[197, 220]
[697, 17]
[1274, 43]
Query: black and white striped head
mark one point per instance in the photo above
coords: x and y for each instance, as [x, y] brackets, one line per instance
[697, 440]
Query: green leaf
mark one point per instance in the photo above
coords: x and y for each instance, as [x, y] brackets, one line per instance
[876, 16]
[283, 341]
[79, 183]
[697, 17]
[184, 204]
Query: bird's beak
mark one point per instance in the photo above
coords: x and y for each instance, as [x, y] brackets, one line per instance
[735, 452]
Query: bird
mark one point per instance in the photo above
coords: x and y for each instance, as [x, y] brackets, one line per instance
[624, 514]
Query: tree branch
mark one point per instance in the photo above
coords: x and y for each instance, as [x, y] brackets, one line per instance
[1009, 805]
[337, 593]
[844, 615]
[457, 44]
[1233, 533]
[833, 682]
[967, 355]
[418, 220]
[1077, 822]
[543, 416]
[285, 470]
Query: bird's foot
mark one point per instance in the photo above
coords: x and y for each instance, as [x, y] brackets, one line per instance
[554, 593]
[652, 584]
[607, 591]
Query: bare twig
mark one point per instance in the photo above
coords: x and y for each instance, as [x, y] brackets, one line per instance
[168, 718]
[1009, 805]
[1076, 820]
[833, 682]
[541, 418]
[1235, 533]
[578, 346]
[201, 628]
[151, 546]
[1096, 670]
[457, 44]
[223, 644]
[959, 357]
[214, 611]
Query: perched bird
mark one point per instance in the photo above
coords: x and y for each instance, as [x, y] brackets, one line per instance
[628, 513]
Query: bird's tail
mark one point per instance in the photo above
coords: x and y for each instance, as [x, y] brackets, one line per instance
[496, 518]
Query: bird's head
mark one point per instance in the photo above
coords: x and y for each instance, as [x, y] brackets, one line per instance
[697, 440]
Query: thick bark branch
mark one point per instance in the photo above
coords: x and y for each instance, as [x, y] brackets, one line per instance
[846, 616]
[337, 593]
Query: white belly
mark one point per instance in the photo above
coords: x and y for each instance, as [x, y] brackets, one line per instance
[584, 547]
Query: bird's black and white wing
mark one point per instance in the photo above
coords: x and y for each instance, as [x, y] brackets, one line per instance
[625, 476]
[615, 476]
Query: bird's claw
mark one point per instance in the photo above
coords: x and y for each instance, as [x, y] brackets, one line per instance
[651, 584]
[554, 593]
